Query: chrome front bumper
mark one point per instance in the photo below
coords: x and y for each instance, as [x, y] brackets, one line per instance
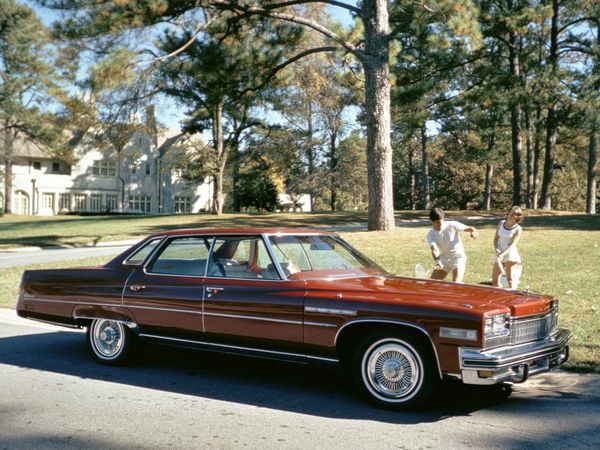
[514, 363]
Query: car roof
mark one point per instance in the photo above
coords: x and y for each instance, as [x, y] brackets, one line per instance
[244, 231]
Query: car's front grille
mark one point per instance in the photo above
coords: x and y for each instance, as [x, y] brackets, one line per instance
[527, 330]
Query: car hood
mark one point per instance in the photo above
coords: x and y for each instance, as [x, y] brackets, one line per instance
[431, 293]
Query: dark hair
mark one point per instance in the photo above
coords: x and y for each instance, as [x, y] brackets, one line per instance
[436, 214]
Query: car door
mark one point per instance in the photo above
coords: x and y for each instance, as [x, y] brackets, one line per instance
[166, 294]
[246, 302]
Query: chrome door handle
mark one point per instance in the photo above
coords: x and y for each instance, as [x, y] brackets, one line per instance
[213, 290]
[136, 287]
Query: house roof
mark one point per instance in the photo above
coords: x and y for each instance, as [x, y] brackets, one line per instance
[29, 149]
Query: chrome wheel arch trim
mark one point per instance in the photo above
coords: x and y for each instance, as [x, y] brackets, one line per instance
[131, 325]
[395, 322]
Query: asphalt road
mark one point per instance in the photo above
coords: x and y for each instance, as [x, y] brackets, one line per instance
[23, 257]
[52, 395]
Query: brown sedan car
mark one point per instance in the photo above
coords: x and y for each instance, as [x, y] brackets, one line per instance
[306, 296]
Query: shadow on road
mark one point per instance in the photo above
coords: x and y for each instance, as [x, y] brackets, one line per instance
[306, 389]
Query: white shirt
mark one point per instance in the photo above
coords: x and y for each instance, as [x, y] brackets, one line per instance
[447, 239]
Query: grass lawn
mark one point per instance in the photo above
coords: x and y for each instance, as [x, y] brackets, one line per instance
[561, 253]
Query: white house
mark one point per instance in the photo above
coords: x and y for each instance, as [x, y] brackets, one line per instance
[144, 177]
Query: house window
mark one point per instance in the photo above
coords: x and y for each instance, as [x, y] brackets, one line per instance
[133, 169]
[183, 204]
[141, 203]
[61, 168]
[37, 165]
[47, 200]
[96, 202]
[64, 202]
[147, 168]
[111, 202]
[80, 202]
[104, 168]
[21, 200]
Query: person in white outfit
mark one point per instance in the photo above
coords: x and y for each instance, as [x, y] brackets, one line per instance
[508, 259]
[446, 247]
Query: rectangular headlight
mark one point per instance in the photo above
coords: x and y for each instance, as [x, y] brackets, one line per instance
[497, 325]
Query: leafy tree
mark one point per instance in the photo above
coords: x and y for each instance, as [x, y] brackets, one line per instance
[259, 185]
[371, 49]
[29, 86]
[220, 78]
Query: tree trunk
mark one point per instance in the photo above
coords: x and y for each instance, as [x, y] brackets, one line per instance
[377, 115]
[7, 163]
[235, 179]
[487, 191]
[529, 132]
[221, 159]
[425, 169]
[333, 162]
[551, 119]
[515, 119]
[489, 175]
[590, 204]
[537, 153]
[412, 177]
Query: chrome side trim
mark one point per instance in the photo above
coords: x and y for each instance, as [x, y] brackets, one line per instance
[318, 324]
[319, 310]
[152, 308]
[111, 305]
[395, 322]
[264, 319]
[238, 348]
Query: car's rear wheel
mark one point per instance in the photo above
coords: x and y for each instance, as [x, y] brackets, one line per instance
[110, 341]
[394, 372]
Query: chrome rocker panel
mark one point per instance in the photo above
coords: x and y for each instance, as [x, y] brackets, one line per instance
[516, 363]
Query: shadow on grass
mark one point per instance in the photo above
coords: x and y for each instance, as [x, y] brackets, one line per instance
[314, 390]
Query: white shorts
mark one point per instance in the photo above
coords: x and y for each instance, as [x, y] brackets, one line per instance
[449, 263]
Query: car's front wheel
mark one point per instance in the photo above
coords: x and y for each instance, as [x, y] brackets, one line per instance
[393, 371]
[110, 341]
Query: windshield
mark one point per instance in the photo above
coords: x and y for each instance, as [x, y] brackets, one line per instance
[312, 253]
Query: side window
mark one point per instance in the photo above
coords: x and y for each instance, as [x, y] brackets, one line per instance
[142, 253]
[241, 257]
[290, 249]
[185, 256]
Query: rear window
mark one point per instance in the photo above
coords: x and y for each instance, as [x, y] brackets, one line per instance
[140, 255]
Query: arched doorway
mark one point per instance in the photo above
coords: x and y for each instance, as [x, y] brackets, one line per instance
[21, 203]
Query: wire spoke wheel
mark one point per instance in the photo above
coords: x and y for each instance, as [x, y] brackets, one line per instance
[109, 340]
[108, 337]
[393, 370]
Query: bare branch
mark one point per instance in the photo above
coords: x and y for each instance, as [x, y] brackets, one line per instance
[268, 12]
[199, 29]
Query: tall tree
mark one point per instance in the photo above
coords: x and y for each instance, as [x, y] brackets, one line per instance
[28, 86]
[220, 78]
[371, 49]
